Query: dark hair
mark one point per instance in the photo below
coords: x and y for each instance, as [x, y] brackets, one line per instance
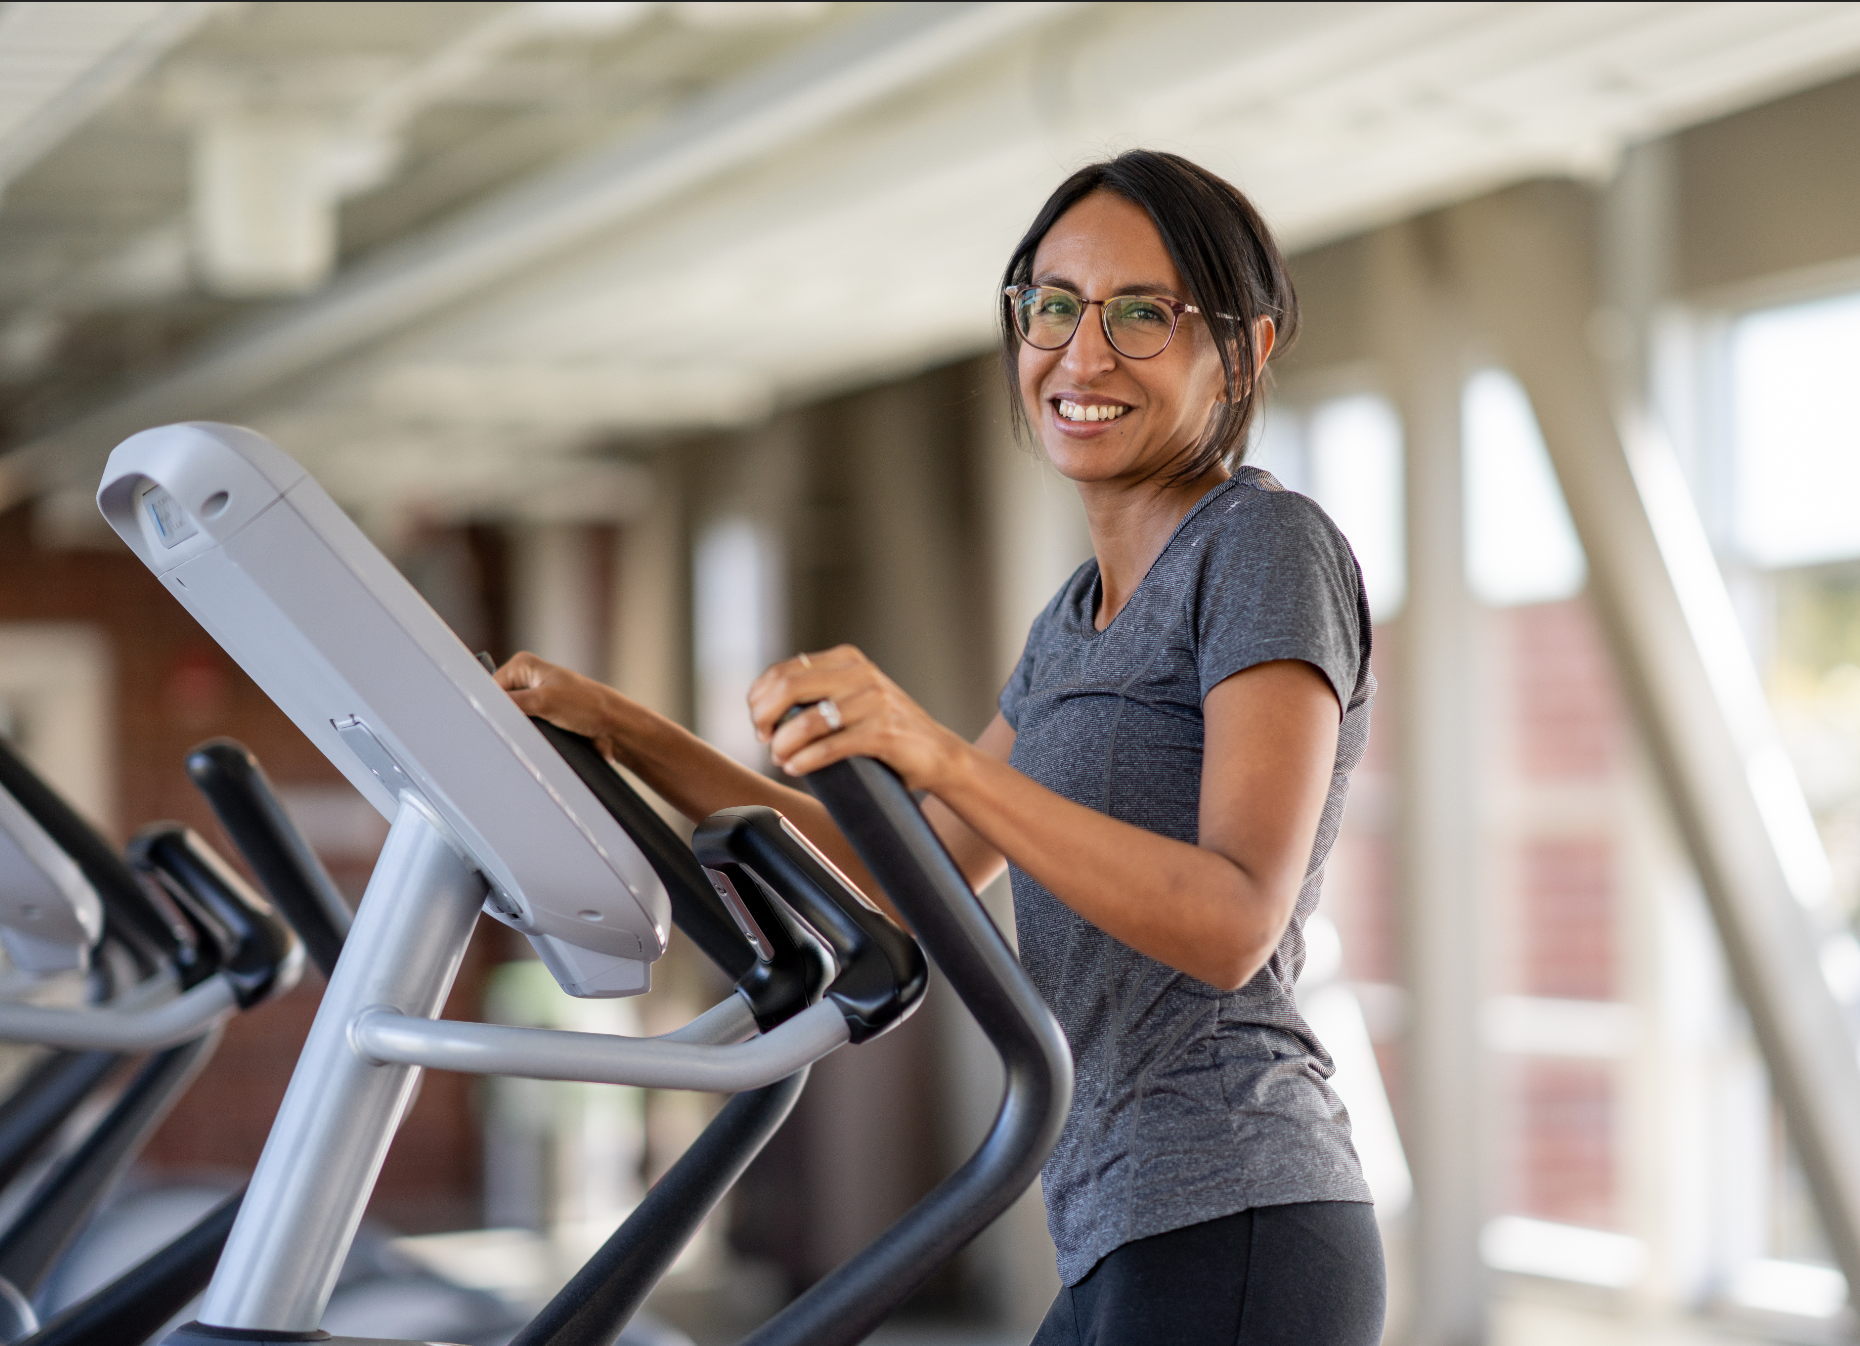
[1234, 272]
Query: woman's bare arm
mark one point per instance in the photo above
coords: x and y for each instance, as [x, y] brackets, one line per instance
[697, 780]
[1215, 910]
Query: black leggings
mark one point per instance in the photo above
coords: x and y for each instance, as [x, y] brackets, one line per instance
[1309, 1274]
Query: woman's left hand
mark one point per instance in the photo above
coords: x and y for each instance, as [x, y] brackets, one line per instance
[874, 719]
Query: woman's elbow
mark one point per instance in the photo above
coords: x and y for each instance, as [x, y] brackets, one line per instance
[1235, 960]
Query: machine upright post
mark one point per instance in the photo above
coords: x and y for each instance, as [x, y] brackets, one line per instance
[340, 1113]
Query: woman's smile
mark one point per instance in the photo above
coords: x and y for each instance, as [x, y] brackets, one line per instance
[1086, 415]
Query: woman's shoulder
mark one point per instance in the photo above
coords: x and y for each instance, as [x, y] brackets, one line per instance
[1274, 577]
[1258, 525]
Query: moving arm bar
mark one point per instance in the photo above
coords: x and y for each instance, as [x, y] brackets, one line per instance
[169, 1024]
[384, 1037]
[890, 834]
[247, 807]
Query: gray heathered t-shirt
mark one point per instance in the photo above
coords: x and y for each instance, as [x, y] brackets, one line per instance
[1190, 1103]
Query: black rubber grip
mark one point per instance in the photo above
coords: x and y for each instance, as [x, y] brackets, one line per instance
[251, 939]
[242, 799]
[882, 974]
[696, 910]
[775, 989]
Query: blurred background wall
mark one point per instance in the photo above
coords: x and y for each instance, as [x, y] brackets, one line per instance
[657, 338]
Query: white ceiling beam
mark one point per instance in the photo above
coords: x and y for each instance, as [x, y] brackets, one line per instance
[61, 63]
[841, 72]
[915, 214]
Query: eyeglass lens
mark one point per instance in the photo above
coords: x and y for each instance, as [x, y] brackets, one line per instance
[1139, 327]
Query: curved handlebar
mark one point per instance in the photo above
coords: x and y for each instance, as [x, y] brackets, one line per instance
[882, 974]
[258, 953]
[242, 799]
[877, 815]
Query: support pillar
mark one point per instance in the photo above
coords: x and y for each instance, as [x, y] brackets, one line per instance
[1421, 343]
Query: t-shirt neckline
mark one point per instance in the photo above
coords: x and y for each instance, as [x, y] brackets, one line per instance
[1084, 612]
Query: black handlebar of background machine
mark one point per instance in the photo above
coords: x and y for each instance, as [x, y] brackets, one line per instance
[133, 917]
[610, 1286]
[242, 939]
[248, 941]
[248, 808]
[252, 941]
[889, 832]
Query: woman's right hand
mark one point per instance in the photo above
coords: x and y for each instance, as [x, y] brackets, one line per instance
[565, 698]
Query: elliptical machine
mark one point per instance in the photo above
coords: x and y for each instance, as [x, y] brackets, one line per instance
[173, 942]
[491, 811]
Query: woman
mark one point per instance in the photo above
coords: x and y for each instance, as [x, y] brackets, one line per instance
[1164, 778]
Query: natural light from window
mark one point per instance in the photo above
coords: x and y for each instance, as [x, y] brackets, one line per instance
[1354, 470]
[1795, 420]
[1520, 544]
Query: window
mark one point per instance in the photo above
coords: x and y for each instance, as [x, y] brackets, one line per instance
[1795, 424]
[1520, 544]
[1346, 454]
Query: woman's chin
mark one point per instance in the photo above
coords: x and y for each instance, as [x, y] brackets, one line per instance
[1086, 461]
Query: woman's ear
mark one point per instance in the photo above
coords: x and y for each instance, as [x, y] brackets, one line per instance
[1264, 334]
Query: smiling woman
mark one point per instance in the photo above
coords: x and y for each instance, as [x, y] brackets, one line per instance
[1164, 780]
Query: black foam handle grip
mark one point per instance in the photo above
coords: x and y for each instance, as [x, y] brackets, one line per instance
[882, 974]
[252, 941]
[242, 799]
[777, 988]
[876, 813]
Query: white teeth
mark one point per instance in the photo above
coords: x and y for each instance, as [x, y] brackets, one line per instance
[1074, 411]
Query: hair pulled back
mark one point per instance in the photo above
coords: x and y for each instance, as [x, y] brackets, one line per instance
[1227, 257]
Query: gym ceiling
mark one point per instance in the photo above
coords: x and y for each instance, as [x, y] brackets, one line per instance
[463, 259]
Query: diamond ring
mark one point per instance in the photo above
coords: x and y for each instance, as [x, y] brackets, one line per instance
[831, 714]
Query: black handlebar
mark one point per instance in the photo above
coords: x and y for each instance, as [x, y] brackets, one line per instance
[251, 940]
[247, 807]
[133, 917]
[775, 987]
[882, 974]
[62, 1203]
[877, 815]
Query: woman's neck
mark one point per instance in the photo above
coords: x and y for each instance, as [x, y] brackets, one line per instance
[1130, 525]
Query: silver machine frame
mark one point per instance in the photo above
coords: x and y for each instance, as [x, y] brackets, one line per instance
[377, 1025]
[187, 499]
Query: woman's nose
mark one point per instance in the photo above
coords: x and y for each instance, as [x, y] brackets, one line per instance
[1088, 353]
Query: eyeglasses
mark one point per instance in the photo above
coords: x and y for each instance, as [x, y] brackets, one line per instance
[1138, 326]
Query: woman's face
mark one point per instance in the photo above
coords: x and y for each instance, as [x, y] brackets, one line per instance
[1105, 246]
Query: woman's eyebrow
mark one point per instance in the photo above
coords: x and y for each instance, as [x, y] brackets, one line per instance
[1147, 287]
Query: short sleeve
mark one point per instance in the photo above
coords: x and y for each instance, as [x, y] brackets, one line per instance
[1278, 581]
[1019, 683]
